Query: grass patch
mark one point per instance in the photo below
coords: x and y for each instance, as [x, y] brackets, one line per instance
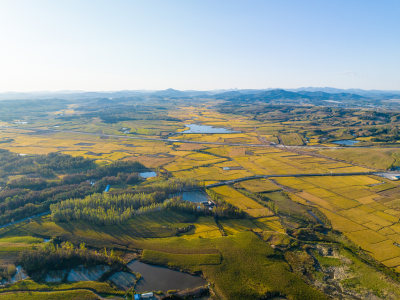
[30, 285]
[21, 239]
[63, 295]
[185, 261]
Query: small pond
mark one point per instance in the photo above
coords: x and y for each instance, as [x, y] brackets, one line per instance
[232, 168]
[155, 278]
[346, 142]
[146, 175]
[197, 128]
[193, 196]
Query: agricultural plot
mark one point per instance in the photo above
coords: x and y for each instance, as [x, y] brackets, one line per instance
[259, 186]
[205, 227]
[379, 158]
[11, 247]
[192, 160]
[291, 139]
[273, 223]
[234, 138]
[368, 223]
[234, 226]
[211, 173]
[274, 161]
[250, 206]
[76, 144]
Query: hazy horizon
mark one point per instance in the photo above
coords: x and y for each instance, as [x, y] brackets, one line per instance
[196, 90]
[205, 45]
[188, 90]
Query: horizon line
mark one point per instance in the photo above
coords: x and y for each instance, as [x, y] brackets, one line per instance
[189, 90]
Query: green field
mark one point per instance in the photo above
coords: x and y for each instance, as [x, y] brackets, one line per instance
[76, 294]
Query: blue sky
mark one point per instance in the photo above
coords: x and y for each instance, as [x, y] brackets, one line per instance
[203, 44]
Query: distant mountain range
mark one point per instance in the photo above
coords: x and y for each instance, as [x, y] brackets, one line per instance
[368, 93]
[279, 94]
[307, 94]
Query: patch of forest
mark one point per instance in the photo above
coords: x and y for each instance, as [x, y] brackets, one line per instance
[30, 184]
[107, 209]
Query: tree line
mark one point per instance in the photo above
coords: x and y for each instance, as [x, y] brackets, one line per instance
[43, 180]
[108, 209]
[103, 208]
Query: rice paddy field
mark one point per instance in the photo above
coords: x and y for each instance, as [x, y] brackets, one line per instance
[265, 252]
[378, 158]
[364, 208]
[248, 205]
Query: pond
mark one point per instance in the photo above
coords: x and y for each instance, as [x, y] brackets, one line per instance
[155, 278]
[193, 196]
[346, 142]
[146, 175]
[197, 128]
[232, 168]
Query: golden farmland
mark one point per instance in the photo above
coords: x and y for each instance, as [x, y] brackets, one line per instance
[278, 212]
